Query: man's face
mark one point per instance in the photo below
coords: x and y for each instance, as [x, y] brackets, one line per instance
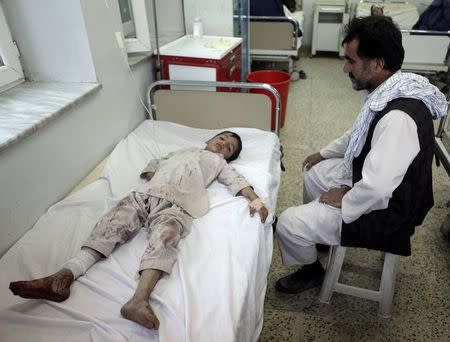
[357, 68]
[224, 143]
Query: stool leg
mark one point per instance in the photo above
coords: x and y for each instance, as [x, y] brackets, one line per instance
[334, 266]
[387, 284]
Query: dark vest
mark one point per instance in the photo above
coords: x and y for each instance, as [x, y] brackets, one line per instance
[390, 229]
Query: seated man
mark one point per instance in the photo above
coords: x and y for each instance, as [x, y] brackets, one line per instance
[435, 18]
[174, 194]
[266, 8]
[373, 186]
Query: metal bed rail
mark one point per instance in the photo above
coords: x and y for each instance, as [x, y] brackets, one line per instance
[426, 51]
[195, 85]
[275, 39]
[426, 32]
[293, 21]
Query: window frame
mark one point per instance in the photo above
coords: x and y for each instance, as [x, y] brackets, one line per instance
[11, 73]
[141, 24]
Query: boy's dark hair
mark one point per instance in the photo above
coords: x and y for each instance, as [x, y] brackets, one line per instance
[378, 37]
[238, 148]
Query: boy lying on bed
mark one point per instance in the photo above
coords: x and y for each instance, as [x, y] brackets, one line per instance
[174, 194]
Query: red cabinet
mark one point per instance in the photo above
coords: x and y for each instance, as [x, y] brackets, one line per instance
[207, 59]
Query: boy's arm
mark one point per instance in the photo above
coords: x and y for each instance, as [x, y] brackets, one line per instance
[239, 186]
[152, 166]
[256, 204]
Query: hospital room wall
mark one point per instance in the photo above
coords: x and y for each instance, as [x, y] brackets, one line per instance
[216, 16]
[308, 9]
[42, 168]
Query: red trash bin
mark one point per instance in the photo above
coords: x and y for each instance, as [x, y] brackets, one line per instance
[280, 81]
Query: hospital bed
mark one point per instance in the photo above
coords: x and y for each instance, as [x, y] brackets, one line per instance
[425, 51]
[275, 39]
[217, 288]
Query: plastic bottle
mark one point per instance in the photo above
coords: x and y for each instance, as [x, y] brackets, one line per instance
[197, 28]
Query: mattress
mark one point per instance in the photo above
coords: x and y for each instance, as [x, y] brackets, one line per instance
[405, 15]
[217, 288]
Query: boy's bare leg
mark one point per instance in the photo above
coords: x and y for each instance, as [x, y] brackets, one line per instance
[138, 309]
[55, 287]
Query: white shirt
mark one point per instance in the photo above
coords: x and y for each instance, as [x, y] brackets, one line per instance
[394, 146]
[183, 176]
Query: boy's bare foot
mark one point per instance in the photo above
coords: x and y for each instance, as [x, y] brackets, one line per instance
[55, 287]
[139, 311]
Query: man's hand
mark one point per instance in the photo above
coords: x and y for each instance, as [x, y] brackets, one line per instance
[147, 175]
[257, 205]
[312, 160]
[334, 196]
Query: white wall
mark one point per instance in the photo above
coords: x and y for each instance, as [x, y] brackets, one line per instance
[216, 16]
[308, 14]
[170, 21]
[170, 15]
[43, 34]
[41, 169]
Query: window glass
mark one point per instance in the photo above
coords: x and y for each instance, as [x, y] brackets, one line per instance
[126, 13]
[10, 69]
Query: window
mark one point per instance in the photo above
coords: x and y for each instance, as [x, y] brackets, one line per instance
[126, 13]
[10, 69]
[134, 15]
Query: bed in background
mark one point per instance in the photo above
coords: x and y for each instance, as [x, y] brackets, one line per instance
[276, 39]
[425, 51]
[217, 288]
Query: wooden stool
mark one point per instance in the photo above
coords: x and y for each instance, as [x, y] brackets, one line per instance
[385, 294]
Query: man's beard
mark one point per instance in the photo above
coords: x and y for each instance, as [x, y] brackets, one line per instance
[360, 84]
[364, 82]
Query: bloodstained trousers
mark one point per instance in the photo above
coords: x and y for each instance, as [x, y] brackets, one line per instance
[167, 224]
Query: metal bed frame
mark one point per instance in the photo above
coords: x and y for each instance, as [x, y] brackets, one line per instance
[262, 88]
[275, 39]
[426, 51]
[415, 58]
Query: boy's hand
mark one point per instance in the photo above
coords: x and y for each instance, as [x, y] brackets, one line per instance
[257, 205]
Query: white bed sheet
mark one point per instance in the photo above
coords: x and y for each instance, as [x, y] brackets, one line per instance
[405, 15]
[217, 287]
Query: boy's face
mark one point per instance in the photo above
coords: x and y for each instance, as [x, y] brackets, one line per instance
[224, 143]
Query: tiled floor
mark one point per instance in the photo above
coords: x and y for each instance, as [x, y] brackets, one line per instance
[320, 109]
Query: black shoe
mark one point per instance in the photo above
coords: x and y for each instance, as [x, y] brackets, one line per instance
[322, 248]
[302, 280]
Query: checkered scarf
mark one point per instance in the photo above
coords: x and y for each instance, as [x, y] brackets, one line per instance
[400, 84]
